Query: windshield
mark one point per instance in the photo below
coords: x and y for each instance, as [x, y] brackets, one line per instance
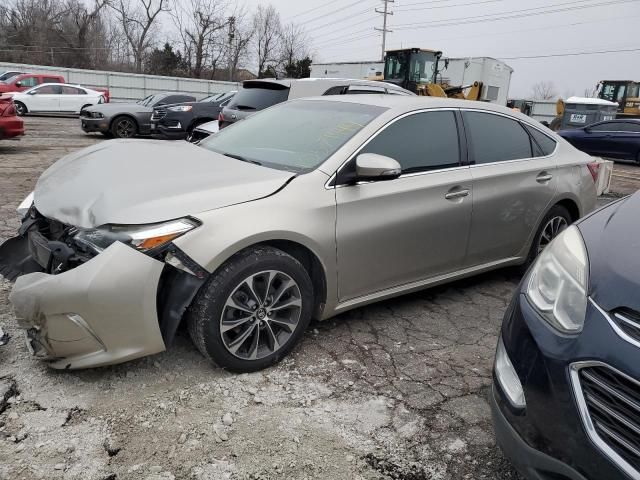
[296, 136]
[421, 66]
[146, 101]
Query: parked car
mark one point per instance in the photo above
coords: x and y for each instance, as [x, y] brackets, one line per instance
[126, 120]
[4, 76]
[566, 392]
[176, 122]
[11, 125]
[204, 130]
[257, 95]
[55, 98]
[308, 209]
[25, 81]
[612, 139]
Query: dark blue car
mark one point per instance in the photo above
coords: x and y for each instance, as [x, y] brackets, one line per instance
[566, 392]
[612, 139]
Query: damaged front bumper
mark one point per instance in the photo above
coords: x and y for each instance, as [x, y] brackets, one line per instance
[100, 313]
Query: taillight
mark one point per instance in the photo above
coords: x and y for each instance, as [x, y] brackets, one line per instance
[220, 117]
[594, 170]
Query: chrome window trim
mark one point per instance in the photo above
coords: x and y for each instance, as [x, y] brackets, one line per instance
[332, 178]
[621, 333]
[574, 372]
[500, 114]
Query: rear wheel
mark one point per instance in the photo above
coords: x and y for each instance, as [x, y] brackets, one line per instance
[253, 310]
[554, 223]
[124, 127]
[21, 108]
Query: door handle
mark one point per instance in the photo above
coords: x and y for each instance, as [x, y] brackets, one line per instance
[455, 194]
[544, 177]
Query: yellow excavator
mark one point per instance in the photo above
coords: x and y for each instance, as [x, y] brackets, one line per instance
[626, 93]
[418, 70]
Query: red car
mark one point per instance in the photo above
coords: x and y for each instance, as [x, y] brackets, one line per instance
[10, 124]
[24, 81]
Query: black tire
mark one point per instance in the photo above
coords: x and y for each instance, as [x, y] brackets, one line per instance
[539, 243]
[205, 315]
[107, 134]
[124, 127]
[21, 108]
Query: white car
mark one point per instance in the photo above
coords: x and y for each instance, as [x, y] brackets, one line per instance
[55, 98]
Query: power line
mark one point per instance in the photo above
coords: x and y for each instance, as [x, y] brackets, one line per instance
[344, 19]
[301, 14]
[507, 15]
[572, 54]
[341, 9]
[402, 9]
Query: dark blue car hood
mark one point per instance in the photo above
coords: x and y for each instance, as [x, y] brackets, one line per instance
[612, 236]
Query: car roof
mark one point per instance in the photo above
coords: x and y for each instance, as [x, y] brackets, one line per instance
[328, 81]
[402, 102]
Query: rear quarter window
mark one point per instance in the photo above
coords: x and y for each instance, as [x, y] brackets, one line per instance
[51, 80]
[543, 144]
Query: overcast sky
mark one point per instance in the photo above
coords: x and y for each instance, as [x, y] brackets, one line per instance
[342, 30]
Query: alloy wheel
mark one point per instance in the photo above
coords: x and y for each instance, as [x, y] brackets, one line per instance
[125, 128]
[19, 109]
[551, 230]
[260, 315]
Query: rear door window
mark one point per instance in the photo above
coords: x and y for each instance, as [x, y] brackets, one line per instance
[494, 138]
[420, 142]
[72, 91]
[259, 96]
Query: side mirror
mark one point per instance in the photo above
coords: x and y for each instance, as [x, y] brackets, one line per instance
[32, 92]
[371, 167]
[18, 84]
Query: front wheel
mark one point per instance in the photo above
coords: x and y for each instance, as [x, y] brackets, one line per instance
[554, 223]
[21, 108]
[253, 310]
[124, 127]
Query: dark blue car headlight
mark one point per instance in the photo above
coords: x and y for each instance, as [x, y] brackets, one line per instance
[557, 285]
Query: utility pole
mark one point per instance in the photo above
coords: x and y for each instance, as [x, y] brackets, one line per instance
[385, 13]
[232, 36]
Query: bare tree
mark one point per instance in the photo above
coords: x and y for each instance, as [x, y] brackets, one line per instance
[295, 45]
[589, 92]
[267, 37]
[199, 22]
[544, 90]
[137, 21]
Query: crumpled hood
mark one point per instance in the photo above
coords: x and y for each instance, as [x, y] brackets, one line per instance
[147, 181]
[612, 236]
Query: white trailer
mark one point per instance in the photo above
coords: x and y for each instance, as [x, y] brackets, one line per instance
[494, 74]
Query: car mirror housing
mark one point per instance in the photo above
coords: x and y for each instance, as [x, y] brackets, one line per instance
[18, 84]
[371, 167]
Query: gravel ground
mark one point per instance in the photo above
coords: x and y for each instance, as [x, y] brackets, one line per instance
[393, 390]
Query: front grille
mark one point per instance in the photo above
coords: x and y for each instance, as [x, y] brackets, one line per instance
[158, 114]
[628, 321]
[612, 402]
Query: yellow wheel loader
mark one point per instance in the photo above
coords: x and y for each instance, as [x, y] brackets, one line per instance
[418, 70]
[625, 93]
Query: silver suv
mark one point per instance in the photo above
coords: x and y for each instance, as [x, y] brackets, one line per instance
[306, 210]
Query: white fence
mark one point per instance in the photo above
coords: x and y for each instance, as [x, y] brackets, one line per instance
[129, 86]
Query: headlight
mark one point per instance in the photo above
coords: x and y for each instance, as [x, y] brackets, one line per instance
[181, 108]
[558, 282]
[96, 115]
[141, 237]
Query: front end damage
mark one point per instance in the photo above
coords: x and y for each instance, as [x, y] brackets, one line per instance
[84, 309]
